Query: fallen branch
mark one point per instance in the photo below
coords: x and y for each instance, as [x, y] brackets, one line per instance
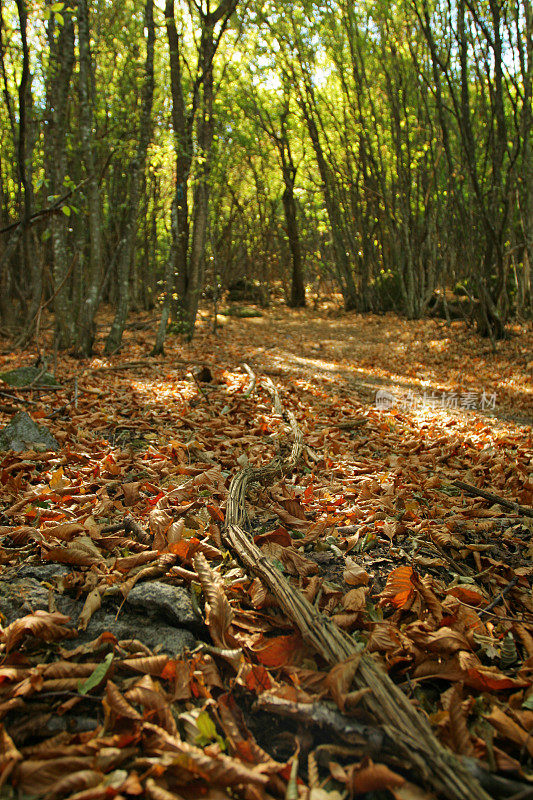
[524, 511]
[253, 380]
[368, 739]
[500, 597]
[408, 731]
[152, 363]
[128, 365]
[40, 388]
[18, 399]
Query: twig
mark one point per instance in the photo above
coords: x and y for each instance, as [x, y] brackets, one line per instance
[525, 511]
[198, 386]
[128, 365]
[490, 613]
[52, 209]
[130, 526]
[253, 380]
[500, 597]
[352, 731]
[18, 399]
[526, 794]
[40, 388]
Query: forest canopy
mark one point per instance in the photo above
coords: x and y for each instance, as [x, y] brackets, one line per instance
[154, 154]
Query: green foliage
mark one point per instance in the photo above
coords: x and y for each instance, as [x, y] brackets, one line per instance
[416, 189]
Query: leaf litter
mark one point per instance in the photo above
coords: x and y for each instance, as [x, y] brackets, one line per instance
[435, 583]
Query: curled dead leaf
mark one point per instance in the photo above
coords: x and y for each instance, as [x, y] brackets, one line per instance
[49, 627]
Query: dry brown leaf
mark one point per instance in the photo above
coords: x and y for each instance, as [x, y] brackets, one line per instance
[49, 627]
[366, 777]
[146, 695]
[510, 729]
[460, 736]
[220, 769]
[117, 704]
[93, 601]
[131, 492]
[354, 574]
[219, 614]
[340, 679]
[355, 600]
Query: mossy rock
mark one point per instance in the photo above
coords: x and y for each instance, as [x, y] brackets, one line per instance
[243, 312]
[22, 433]
[24, 376]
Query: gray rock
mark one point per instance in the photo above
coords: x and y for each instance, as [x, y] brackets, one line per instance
[22, 433]
[158, 599]
[42, 572]
[24, 596]
[24, 376]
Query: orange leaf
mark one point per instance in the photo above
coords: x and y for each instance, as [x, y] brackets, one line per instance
[278, 651]
[399, 588]
[215, 513]
[471, 596]
[257, 679]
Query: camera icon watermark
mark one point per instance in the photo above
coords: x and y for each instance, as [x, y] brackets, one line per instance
[385, 400]
[413, 401]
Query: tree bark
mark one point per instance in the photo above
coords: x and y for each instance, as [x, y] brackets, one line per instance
[58, 87]
[137, 172]
[93, 271]
[342, 263]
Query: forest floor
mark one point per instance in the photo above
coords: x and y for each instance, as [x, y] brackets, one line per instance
[132, 666]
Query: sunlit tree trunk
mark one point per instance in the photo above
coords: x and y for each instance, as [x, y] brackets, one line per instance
[342, 262]
[93, 268]
[188, 246]
[136, 171]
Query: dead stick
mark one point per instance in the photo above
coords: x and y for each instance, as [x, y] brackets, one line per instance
[500, 597]
[251, 374]
[19, 399]
[409, 730]
[525, 511]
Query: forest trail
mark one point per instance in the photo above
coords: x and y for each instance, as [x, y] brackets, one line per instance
[433, 582]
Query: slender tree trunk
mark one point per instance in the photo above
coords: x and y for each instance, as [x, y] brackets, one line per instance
[159, 346]
[525, 193]
[297, 298]
[29, 266]
[189, 266]
[182, 123]
[60, 71]
[137, 171]
[196, 270]
[342, 263]
[93, 268]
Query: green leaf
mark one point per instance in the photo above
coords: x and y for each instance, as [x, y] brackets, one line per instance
[206, 726]
[57, 7]
[59, 18]
[96, 676]
[66, 210]
[528, 704]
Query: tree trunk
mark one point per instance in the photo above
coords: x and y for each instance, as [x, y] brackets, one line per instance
[188, 268]
[159, 346]
[342, 263]
[297, 298]
[61, 65]
[93, 270]
[196, 269]
[137, 172]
